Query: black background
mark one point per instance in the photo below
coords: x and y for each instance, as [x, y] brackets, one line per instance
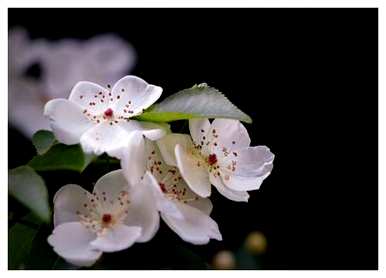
[307, 77]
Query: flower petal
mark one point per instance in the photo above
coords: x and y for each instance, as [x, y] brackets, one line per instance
[131, 95]
[195, 227]
[150, 130]
[194, 172]
[143, 211]
[199, 129]
[167, 145]
[173, 180]
[26, 106]
[242, 183]
[67, 120]
[162, 202]
[251, 161]
[118, 238]
[111, 185]
[247, 168]
[72, 242]
[108, 58]
[203, 204]
[104, 138]
[231, 134]
[67, 201]
[238, 196]
[90, 96]
[133, 158]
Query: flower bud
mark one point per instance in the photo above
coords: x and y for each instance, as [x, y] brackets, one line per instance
[224, 260]
[256, 243]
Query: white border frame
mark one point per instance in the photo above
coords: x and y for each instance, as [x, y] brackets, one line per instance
[5, 4]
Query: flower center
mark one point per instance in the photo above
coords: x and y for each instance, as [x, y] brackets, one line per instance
[212, 159]
[109, 113]
[102, 213]
[106, 218]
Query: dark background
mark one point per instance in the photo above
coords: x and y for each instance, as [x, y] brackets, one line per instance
[307, 77]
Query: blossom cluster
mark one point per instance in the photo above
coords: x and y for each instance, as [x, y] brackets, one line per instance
[163, 174]
[59, 64]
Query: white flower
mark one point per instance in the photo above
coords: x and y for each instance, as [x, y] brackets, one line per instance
[110, 219]
[184, 212]
[100, 118]
[25, 96]
[101, 59]
[220, 155]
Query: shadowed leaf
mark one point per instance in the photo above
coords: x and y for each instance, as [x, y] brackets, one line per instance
[62, 157]
[26, 186]
[43, 140]
[20, 238]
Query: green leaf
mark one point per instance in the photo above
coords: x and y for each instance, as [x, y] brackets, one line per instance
[43, 140]
[20, 238]
[62, 157]
[200, 101]
[28, 188]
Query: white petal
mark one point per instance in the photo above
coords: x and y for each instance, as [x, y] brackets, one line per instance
[231, 133]
[19, 45]
[203, 204]
[162, 202]
[90, 96]
[133, 158]
[72, 242]
[158, 172]
[61, 65]
[199, 129]
[194, 171]
[101, 59]
[118, 238]
[131, 95]
[253, 165]
[242, 183]
[167, 145]
[111, 185]
[195, 227]
[67, 120]
[154, 131]
[108, 58]
[143, 211]
[67, 201]
[191, 198]
[238, 196]
[104, 138]
[26, 105]
[150, 130]
[251, 161]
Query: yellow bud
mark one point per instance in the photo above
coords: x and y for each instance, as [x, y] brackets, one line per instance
[256, 243]
[224, 260]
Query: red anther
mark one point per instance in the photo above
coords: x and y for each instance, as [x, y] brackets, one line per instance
[163, 187]
[106, 218]
[212, 159]
[109, 112]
